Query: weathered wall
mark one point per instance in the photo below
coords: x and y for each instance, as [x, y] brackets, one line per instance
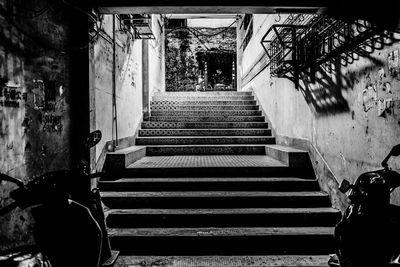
[338, 114]
[157, 56]
[182, 68]
[129, 81]
[34, 101]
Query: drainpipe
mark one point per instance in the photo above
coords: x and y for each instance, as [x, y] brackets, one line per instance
[114, 92]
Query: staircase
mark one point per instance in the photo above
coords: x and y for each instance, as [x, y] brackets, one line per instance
[206, 185]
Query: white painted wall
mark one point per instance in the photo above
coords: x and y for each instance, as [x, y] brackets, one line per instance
[352, 141]
[157, 56]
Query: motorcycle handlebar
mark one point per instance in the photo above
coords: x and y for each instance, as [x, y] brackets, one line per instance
[8, 208]
[5, 177]
[96, 175]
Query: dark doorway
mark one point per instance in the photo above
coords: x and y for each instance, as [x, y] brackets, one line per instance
[218, 70]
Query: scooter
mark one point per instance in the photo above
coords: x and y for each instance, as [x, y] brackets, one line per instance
[69, 227]
[368, 233]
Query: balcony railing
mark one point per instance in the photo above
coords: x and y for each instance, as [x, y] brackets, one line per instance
[303, 42]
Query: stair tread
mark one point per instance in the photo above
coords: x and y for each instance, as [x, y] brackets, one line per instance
[211, 125]
[219, 118]
[206, 129]
[226, 231]
[201, 103]
[232, 261]
[202, 98]
[206, 194]
[318, 210]
[202, 137]
[288, 149]
[182, 105]
[207, 145]
[203, 92]
[211, 179]
[195, 112]
[207, 116]
[206, 161]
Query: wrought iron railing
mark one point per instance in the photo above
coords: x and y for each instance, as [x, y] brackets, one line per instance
[303, 42]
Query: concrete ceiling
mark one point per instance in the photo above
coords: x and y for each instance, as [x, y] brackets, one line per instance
[201, 16]
[385, 13]
[209, 6]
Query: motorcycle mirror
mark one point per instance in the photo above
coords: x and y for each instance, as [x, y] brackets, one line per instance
[345, 186]
[93, 139]
[395, 151]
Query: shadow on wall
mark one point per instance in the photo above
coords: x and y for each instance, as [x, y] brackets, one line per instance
[325, 94]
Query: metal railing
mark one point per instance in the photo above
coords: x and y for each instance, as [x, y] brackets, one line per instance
[303, 42]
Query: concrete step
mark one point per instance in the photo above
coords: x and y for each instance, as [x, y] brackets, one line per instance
[186, 118]
[210, 93]
[214, 199]
[205, 132]
[289, 155]
[209, 140]
[122, 158]
[223, 241]
[176, 150]
[206, 113]
[203, 125]
[214, 102]
[210, 184]
[207, 171]
[250, 217]
[225, 261]
[202, 107]
[203, 98]
[204, 166]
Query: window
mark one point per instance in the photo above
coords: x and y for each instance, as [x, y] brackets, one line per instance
[175, 23]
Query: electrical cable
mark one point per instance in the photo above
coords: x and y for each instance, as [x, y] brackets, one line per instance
[215, 34]
[203, 34]
[80, 10]
[208, 49]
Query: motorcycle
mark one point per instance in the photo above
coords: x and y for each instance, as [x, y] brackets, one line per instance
[69, 227]
[369, 230]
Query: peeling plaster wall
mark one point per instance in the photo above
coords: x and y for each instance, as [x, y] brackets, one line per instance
[128, 83]
[34, 103]
[129, 80]
[338, 114]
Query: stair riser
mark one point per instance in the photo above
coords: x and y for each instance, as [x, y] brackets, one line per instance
[222, 220]
[208, 119]
[207, 113]
[205, 150]
[205, 132]
[204, 141]
[210, 245]
[203, 125]
[202, 98]
[214, 171]
[278, 186]
[205, 103]
[216, 202]
[200, 107]
[228, 261]
[211, 93]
